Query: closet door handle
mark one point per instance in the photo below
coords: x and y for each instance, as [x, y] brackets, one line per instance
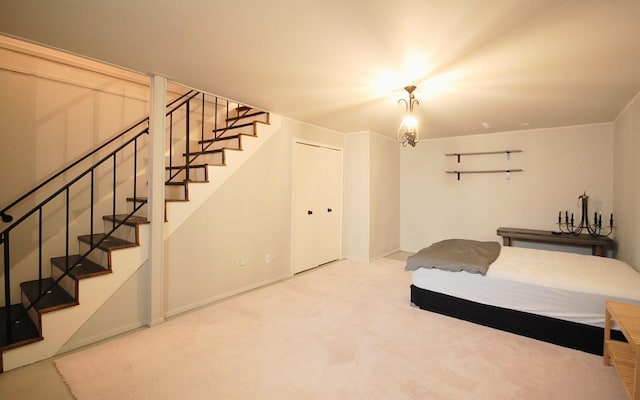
[309, 212]
[329, 210]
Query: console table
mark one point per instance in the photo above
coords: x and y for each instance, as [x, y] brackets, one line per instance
[599, 246]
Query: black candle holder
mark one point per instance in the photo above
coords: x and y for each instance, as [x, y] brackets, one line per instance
[594, 229]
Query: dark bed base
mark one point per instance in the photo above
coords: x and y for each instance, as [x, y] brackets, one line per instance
[564, 333]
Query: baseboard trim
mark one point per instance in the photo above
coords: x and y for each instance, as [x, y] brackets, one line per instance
[99, 337]
[210, 300]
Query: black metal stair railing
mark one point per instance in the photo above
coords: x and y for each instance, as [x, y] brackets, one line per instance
[131, 137]
[6, 217]
[224, 116]
[137, 130]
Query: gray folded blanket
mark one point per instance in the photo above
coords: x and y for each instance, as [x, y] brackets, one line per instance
[456, 255]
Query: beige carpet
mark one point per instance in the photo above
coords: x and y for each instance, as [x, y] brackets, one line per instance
[343, 331]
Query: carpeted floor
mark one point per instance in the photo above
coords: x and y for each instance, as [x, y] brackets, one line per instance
[342, 331]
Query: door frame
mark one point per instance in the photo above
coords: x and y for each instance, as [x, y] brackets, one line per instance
[293, 193]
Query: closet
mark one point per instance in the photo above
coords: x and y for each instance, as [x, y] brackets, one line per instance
[317, 208]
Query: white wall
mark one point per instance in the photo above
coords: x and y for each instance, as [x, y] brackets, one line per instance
[357, 189]
[372, 196]
[124, 311]
[384, 161]
[249, 217]
[626, 177]
[558, 163]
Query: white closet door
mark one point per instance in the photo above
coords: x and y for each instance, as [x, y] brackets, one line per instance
[330, 206]
[317, 206]
[305, 207]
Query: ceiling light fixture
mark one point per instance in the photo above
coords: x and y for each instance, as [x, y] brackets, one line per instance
[408, 131]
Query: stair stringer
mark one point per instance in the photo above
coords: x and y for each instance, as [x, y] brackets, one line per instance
[178, 212]
[60, 325]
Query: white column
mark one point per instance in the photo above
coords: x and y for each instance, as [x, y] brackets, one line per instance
[156, 199]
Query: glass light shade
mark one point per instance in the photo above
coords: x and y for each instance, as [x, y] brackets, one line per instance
[410, 123]
[408, 130]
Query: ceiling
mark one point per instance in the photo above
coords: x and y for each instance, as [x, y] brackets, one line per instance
[480, 65]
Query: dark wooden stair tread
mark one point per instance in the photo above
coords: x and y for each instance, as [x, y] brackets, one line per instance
[247, 115]
[110, 243]
[184, 183]
[133, 220]
[180, 167]
[194, 153]
[138, 199]
[54, 298]
[23, 331]
[144, 199]
[83, 269]
[223, 138]
[227, 128]
[197, 153]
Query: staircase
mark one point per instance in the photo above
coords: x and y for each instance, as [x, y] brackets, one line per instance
[56, 304]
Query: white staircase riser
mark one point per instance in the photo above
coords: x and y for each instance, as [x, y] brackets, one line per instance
[220, 144]
[98, 256]
[175, 192]
[125, 232]
[142, 212]
[236, 130]
[212, 159]
[33, 313]
[196, 174]
[67, 283]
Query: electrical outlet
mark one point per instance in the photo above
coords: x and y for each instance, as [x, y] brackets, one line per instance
[243, 260]
[269, 258]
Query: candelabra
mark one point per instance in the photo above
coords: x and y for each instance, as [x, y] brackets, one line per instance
[594, 229]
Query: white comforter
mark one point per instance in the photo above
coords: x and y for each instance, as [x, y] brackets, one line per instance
[567, 286]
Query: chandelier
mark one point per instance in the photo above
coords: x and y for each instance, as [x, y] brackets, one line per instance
[594, 229]
[408, 130]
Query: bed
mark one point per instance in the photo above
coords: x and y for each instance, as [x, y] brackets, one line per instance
[547, 295]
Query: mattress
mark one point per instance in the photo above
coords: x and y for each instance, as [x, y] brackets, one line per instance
[567, 286]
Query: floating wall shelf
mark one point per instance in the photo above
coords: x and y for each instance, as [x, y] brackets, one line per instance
[507, 152]
[487, 171]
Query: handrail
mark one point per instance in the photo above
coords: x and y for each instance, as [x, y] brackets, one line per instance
[74, 180]
[9, 218]
[193, 93]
